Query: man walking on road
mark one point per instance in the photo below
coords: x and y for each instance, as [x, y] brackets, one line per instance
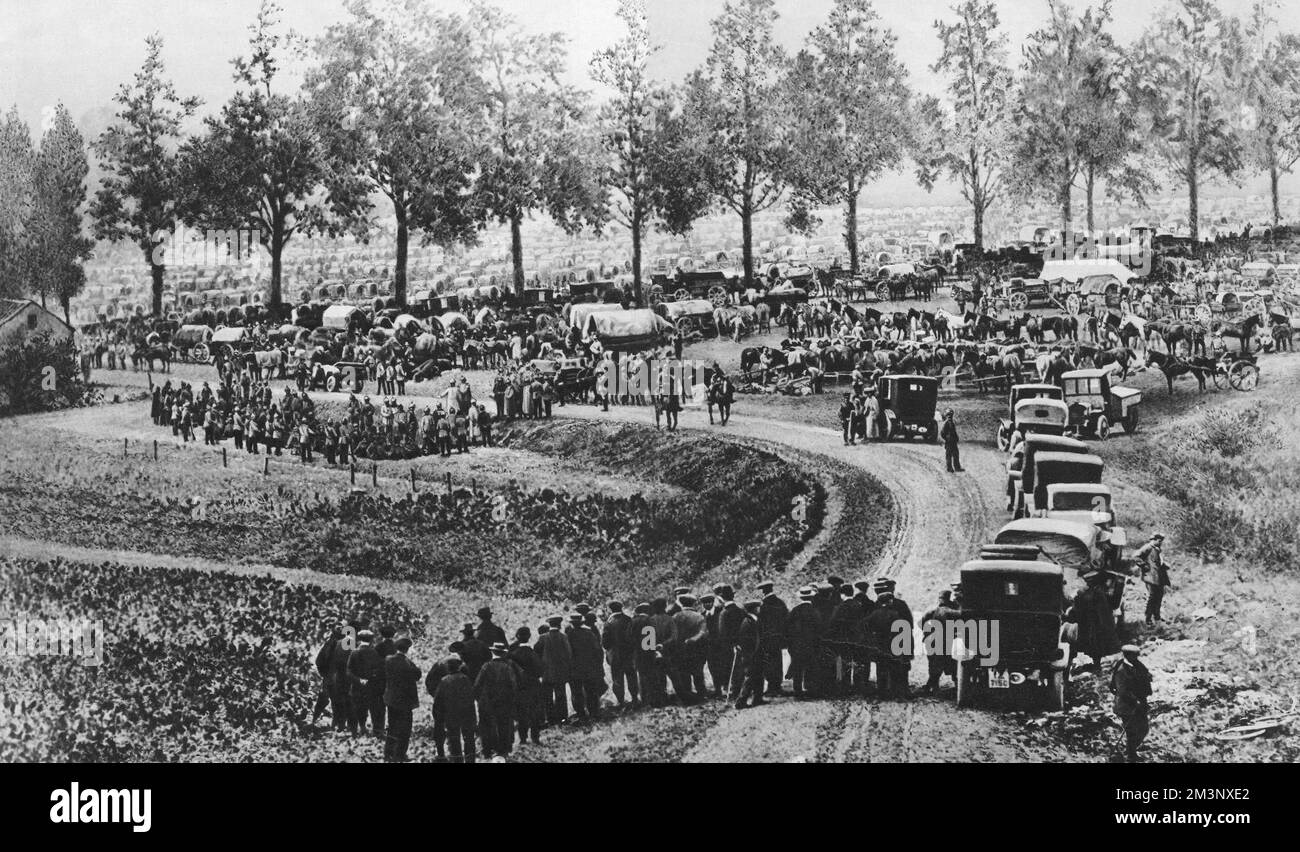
[1131, 683]
[948, 432]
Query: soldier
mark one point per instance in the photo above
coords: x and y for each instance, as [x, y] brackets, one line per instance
[487, 632]
[496, 689]
[557, 668]
[1131, 683]
[530, 711]
[802, 631]
[401, 699]
[750, 658]
[934, 623]
[690, 634]
[1154, 573]
[771, 630]
[620, 652]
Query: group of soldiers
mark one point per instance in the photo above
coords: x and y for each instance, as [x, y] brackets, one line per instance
[491, 691]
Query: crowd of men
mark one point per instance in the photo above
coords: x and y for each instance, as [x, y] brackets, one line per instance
[492, 691]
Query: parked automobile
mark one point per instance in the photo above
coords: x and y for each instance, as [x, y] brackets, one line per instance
[1032, 408]
[1096, 405]
[907, 405]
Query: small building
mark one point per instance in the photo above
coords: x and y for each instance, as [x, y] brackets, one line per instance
[21, 317]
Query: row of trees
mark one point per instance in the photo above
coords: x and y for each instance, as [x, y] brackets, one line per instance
[450, 122]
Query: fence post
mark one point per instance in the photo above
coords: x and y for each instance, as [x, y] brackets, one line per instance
[266, 466]
[223, 457]
[374, 474]
[412, 480]
[126, 442]
[155, 449]
[448, 482]
[473, 484]
[352, 472]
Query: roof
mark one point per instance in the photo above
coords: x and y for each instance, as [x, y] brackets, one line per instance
[1078, 488]
[1085, 374]
[1010, 566]
[1035, 387]
[1041, 402]
[1068, 458]
[908, 377]
[9, 307]
[1045, 529]
[1045, 442]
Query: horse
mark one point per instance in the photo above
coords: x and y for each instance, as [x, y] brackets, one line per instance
[1174, 367]
[763, 315]
[1242, 331]
[1063, 327]
[1122, 357]
[926, 280]
[1132, 329]
[148, 354]
[268, 361]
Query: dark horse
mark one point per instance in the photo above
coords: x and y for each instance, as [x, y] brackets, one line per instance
[1174, 367]
[146, 355]
[1242, 331]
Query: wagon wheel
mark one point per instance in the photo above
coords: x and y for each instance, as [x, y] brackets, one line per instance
[1073, 304]
[1131, 422]
[1019, 301]
[1244, 376]
[883, 292]
[718, 295]
[1220, 377]
[200, 353]
[685, 325]
[1203, 314]
[1003, 437]
[681, 294]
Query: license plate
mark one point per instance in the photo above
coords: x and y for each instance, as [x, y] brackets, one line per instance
[999, 679]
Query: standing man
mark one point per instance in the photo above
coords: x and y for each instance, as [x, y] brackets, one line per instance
[713, 642]
[557, 666]
[365, 673]
[587, 679]
[620, 652]
[401, 698]
[666, 637]
[772, 618]
[726, 395]
[453, 702]
[750, 658]
[689, 650]
[488, 633]
[497, 691]
[948, 433]
[801, 631]
[934, 623]
[649, 664]
[729, 622]
[1154, 573]
[1131, 683]
[846, 420]
[530, 712]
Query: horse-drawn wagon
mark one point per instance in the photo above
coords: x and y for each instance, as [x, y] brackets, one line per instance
[192, 343]
[688, 315]
[230, 341]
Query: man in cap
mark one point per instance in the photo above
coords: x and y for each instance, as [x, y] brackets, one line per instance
[365, 673]
[688, 651]
[948, 434]
[711, 607]
[884, 624]
[496, 689]
[649, 665]
[620, 652]
[934, 624]
[475, 652]
[750, 658]
[1131, 683]
[557, 669]
[845, 635]
[666, 636]
[437, 672]
[530, 712]
[453, 701]
[587, 678]
[401, 698]
[1155, 574]
[771, 635]
[802, 632]
[674, 606]
[729, 622]
[488, 633]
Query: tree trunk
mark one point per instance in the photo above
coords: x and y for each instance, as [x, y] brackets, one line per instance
[747, 237]
[1091, 184]
[403, 241]
[1193, 201]
[156, 272]
[517, 251]
[851, 227]
[67, 309]
[1273, 177]
[979, 224]
[1067, 216]
[636, 220]
[277, 249]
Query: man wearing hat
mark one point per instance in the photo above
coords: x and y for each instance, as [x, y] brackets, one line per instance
[948, 434]
[688, 651]
[674, 606]
[496, 689]
[401, 698]
[647, 655]
[1154, 573]
[711, 606]
[557, 668]
[530, 712]
[750, 658]
[845, 636]
[488, 633]
[437, 672]
[802, 632]
[587, 678]
[666, 636]
[884, 624]
[1131, 683]
[620, 652]
[453, 702]
[935, 623]
[365, 673]
[729, 622]
[772, 616]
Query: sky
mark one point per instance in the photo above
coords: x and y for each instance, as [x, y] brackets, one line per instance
[79, 51]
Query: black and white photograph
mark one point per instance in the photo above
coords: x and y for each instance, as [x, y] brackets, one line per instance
[650, 381]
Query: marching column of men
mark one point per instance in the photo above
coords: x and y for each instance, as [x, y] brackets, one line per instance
[489, 694]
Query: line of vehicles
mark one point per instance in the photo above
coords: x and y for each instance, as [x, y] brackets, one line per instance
[1063, 535]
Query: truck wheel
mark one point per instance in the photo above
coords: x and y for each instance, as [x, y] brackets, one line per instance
[1003, 437]
[1131, 422]
[1102, 428]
